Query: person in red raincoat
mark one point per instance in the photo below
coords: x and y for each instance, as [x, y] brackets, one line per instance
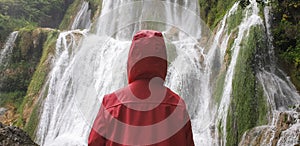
[145, 112]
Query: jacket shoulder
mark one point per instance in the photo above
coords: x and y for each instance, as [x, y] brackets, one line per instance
[171, 98]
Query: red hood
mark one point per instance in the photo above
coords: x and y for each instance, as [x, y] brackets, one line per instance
[147, 57]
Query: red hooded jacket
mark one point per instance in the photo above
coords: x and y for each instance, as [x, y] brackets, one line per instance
[145, 112]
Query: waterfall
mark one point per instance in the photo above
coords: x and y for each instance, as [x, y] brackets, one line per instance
[250, 19]
[8, 48]
[83, 18]
[56, 101]
[283, 126]
[88, 65]
[83, 72]
[279, 90]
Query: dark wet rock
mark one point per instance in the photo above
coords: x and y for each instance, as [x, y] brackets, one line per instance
[14, 136]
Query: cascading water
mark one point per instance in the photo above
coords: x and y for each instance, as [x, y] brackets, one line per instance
[82, 19]
[83, 71]
[8, 48]
[250, 19]
[77, 83]
[279, 90]
[283, 127]
[5, 55]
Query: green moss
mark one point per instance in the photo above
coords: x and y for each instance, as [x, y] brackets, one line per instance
[234, 20]
[228, 53]
[262, 106]
[70, 15]
[94, 5]
[248, 106]
[219, 87]
[9, 24]
[212, 11]
[17, 74]
[43, 67]
[15, 98]
[33, 122]
[39, 76]
[231, 127]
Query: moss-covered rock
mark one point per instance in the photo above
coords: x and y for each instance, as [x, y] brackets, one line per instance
[248, 106]
[212, 11]
[94, 6]
[18, 73]
[29, 109]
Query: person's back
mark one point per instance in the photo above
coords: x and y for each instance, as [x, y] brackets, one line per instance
[145, 112]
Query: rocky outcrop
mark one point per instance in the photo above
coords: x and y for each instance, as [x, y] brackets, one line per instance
[284, 131]
[13, 136]
[16, 73]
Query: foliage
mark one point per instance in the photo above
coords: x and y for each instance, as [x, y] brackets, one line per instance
[212, 11]
[219, 87]
[42, 11]
[16, 14]
[16, 75]
[235, 19]
[70, 14]
[286, 32]
[11, 98]
[43, 67]
[248, 106]
[30, 128]
[39, 76]
[9, 24]
[94, 6]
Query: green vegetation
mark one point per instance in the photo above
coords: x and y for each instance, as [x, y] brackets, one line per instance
[16, 75]
[9, 24]
[235, 19]
[43, 67]
[230, 43]
[286, 32]
[219, 87]
[248, 107]
[16, 14]
[70, 15]
[37, 81]
[11, 98]
[33, 122]
[94, 5]
[221, 77]
[45, 13]
[212, 11]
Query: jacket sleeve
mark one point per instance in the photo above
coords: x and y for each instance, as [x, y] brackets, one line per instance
[96, 135]
[189, 134]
